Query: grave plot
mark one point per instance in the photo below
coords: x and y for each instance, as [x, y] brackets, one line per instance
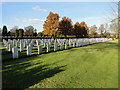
[92, 66]
[21, 48]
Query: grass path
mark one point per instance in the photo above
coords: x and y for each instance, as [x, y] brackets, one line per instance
[93, 66]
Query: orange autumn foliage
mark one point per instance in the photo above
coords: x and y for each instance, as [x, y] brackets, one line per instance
[50, 26]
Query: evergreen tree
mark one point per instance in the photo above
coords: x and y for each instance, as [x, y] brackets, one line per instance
[4, 31]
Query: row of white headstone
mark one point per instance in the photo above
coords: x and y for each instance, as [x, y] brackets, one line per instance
[13, 45]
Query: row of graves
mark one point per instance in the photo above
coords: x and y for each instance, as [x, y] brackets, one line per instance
[18, 48]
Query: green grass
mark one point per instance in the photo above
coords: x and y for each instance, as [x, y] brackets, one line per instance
[93, 66]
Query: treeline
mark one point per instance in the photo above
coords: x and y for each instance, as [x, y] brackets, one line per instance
[19, 32]
[53, 27]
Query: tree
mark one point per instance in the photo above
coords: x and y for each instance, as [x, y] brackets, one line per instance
[106, 27]
[50, 26]
[13, 30]
[40, 34]
[0, 32]
[83, 24]
[21, 31]
[4, 31]
[77, 30]
[92, 31]
[35, 34]
[29, 30]
[65, 26]
[113, 18]
[16, 33]
[9, 33]
[107, 35]
[114, 29]
[84, 29]
[101, 29]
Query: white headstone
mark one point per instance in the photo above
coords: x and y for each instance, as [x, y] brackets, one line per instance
[55, 46]
[48, 47]
[39, 49]
[10, 47]
[70, 44]
[73, 44]
[66, 46]
[15, 52]
[29, 50]
[16, 44]
[44, 43]
[77, 43]
[14, 41]
[61, 46]
[24, 44]
[21, 47]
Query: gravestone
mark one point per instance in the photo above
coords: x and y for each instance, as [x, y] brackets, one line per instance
[48, 47]
[39, 49]
[77, 43]
[24, 44]
[61, 46]
[37, 42]
[21, 47]
[73, 43]
[66, 46]
[29, 50]
[10, 47]
[44, 44]
[15, 52]
[70, 44]
[16, 44]
[55, 46]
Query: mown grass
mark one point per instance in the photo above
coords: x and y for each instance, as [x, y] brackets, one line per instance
[93, 66]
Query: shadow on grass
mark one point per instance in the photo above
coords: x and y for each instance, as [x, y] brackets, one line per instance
[22, 74]
[98, 46]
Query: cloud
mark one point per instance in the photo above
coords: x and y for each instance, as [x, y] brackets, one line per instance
[94, 20]
[27, 20]
[38, 8]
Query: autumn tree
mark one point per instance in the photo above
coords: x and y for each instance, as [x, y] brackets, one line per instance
[58, 33]
[92, 31]
[50, 26]
[65, 26]
[84, 29]
[77, 30]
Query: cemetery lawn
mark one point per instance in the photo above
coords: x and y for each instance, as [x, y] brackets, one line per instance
[93, 66]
